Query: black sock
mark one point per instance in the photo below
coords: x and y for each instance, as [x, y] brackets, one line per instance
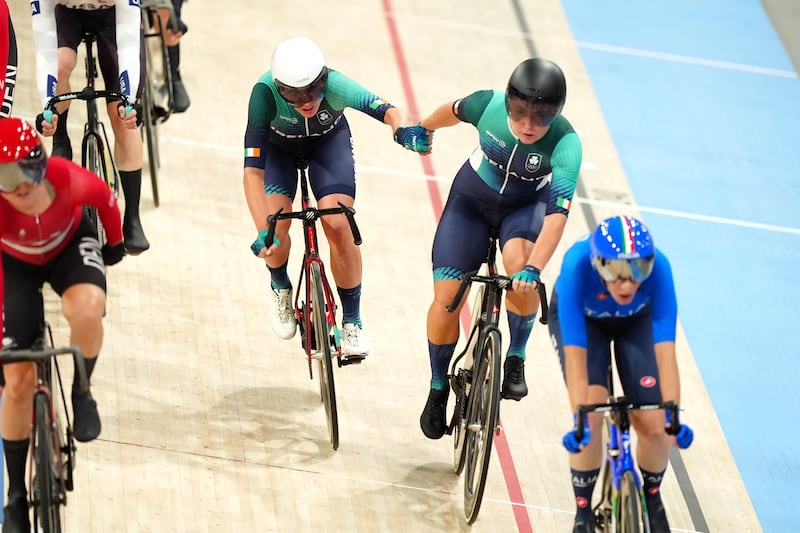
[174, 53]
[16, 457]
[89, 365]
[583, 486]
[61, 128]
[651, 484]
[132, 189]
[279, 277]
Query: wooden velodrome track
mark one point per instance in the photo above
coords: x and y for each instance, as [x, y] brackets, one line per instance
[210, 422]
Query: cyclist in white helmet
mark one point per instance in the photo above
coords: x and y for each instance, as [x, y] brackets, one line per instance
[296, 111]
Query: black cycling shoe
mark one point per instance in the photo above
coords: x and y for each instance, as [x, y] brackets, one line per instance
[586, 526]
[433, 420]
[514, 387]
[62, 148]
[87, 419]
[657, 516]
[15, 516]
[133, 235]
[180, 98]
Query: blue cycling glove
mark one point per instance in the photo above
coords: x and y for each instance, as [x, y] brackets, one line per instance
[685, 435]
[414, 138]
[570, 440]
[260, 242]
[529, 274]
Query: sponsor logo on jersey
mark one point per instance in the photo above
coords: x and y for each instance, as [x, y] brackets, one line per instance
[125, 83]
[533, 162]
[252, 152]
[36, 9]
[564, 203]
[378, 103]
[324, 117]
[648, 382]
[52, 81]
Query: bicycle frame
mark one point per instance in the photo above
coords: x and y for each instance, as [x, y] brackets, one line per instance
[49, 474]
[476, 414]
[619, 460]
[309, 214]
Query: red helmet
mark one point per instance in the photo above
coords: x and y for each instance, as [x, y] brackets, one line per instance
[22, 155]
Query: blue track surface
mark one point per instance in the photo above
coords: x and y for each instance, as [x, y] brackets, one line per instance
[703, 105]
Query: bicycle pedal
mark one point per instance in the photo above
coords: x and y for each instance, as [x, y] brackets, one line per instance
[352, 359]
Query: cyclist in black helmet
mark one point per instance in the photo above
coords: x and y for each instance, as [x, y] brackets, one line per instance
[520, 179]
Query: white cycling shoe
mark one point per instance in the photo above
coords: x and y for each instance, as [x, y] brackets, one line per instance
[354, 342]
[283, 320]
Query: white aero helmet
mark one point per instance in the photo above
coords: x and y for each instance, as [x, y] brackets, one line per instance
[298, 63]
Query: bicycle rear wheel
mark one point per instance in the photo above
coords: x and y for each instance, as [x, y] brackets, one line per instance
[323, 354]
[94, 160]
[47, 499]
[629, 506]
[482, 411]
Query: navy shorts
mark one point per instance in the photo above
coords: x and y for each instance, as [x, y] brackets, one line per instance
[634, 351]
[331, 168]
[472, 209]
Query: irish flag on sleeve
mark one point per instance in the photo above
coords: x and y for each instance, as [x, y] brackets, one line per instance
[564, 203]
[252, 152]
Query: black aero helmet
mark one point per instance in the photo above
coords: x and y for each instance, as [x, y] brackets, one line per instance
[538, 80]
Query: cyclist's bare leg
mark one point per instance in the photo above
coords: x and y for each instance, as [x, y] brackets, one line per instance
[67, 60]
[128, 156]
[515, 253]
[653, 443]
[280, 255]
[83, 305]
[15, 414]
[442, 324]
[345, 254]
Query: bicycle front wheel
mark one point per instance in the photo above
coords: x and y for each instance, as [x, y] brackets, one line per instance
[482, 412]
[629, 506]
[151, 138]
[464, 378]
[47, 499]
[327, 389]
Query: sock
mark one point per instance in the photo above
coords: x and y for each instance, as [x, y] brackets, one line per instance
[132, 189]
[520, 331]
[174, 53]
[279, 277]
[651, 484]
[583, 486]
[89, 364]
[61, 128]
[16, 457]
[440, 355]
[351, 304]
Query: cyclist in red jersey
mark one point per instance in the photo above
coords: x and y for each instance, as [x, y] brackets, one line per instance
[45, 236]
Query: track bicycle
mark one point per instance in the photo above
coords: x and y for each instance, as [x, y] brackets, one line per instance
[52, 458]
[475, 378]
[622, 504]
[157, 92]
[314, 303]
[96, 154]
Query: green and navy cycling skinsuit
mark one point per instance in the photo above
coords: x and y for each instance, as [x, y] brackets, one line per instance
[504, 184]
[583, 313]
[277, 136]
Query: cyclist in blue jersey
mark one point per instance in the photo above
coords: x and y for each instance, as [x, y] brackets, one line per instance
[615, 285]
[520, 179]
[296, 111]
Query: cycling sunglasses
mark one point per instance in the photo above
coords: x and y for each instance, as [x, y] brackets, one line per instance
[540, 114]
